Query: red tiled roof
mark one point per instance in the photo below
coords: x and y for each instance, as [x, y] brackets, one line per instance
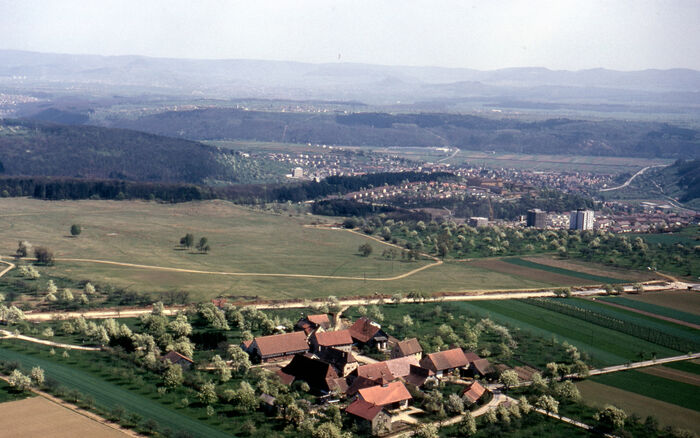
[385, 395]
[173, 356]
[362, 409]
[363, 329]
[287, 379]
[482, 366]
[281, 344]
[409, 346]
[401, 367]
[376, 371]
[475, 391]
[331, 339]
[471, 356]
[321, 319]
[445, 360]
[359, 383]
[246, 344]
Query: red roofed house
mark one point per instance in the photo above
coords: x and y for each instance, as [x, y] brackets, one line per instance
[445, 361]
[372, 418]
[378, 372]
[178, 359]
[474, 392]
[368, 333]
[401, 367]
[311, 323]
[319, 375]
[391, 396]
[340, 340]
[408, 347]
[278, 347]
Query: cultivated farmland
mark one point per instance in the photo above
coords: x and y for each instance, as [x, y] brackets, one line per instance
[38, 417]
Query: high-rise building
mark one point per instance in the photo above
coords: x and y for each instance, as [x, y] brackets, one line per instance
[581, 220]
[536, 218]
[297, 172]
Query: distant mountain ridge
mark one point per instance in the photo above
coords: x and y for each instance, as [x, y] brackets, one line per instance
[256, 78]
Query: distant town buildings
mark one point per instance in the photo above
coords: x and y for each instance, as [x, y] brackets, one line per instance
[536, 218]
[477, 222]
[581, 220]
[297, 172]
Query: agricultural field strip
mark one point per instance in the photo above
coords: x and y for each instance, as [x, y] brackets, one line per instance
[651, 315]
[655, 309]
[110, 395]
[673, 374]
[606, 346]
[687, 333]
[7, 334]
[658, 388]
[250, 274]
[686, 366]
[570, 273]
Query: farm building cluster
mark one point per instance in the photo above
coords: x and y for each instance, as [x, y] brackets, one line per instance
[331, 361]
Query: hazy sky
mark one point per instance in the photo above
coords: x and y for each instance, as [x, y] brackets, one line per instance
[481, 34]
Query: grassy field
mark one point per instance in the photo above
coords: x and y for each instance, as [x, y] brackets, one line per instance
[659, 388]
[51, 420]
[242, 241]
[668, 414]
[109, 395]
[688, 236]
[655, 309]
[562, 271]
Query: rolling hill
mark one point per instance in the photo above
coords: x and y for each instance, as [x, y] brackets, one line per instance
[32, 148]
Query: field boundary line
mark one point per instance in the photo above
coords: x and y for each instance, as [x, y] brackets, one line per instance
[10, 266]
[248, 274]
[643, 312]
[80, 411]
[10, 335]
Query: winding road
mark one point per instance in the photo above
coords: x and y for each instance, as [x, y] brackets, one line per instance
[626, 183]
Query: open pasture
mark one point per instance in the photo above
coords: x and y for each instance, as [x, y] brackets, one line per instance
[253, 254]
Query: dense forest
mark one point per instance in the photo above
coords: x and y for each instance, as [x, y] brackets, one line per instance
[32, 148]
[74, 188]
[554, 136]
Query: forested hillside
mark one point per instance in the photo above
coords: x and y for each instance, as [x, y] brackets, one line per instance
[32, 148]
[554, 136]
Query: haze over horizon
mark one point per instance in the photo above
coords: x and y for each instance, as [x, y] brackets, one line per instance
[559, 35]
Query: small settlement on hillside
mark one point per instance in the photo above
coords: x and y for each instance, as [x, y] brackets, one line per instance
[330, 360]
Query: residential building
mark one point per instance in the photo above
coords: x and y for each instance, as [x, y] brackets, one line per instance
[311, 323]
[278, 347]
[407, 347]
[178, 359]
[477, 222]
[339, 339]
[536, 218]
[474, 392]
[320, 376]
[444, 362]
[391, 396]
[371, 418]
[366, 332]
[581, 220]
[344, 362]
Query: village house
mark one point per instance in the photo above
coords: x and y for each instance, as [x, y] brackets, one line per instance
[340, 340]
[444, 362]
[370, 418]
[278, 347]
[474, 392]
[312, 323]
[408, 347]
[178, 359]
[320, 376]
[391, 396]
[367, 333]
[343, 361]
[478, 367]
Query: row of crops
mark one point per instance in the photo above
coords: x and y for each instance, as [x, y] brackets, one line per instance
[667, 335]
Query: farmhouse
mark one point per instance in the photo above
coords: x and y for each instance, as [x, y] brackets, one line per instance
[372, 418]
[366, 332]
[474, 392]
[444, 361]
[178, 359]
[340, 340]
[343, 361]
[318, 374]
[408, 347]
[312, 323]
[278, 347]
[392, 395]
[377, 372]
